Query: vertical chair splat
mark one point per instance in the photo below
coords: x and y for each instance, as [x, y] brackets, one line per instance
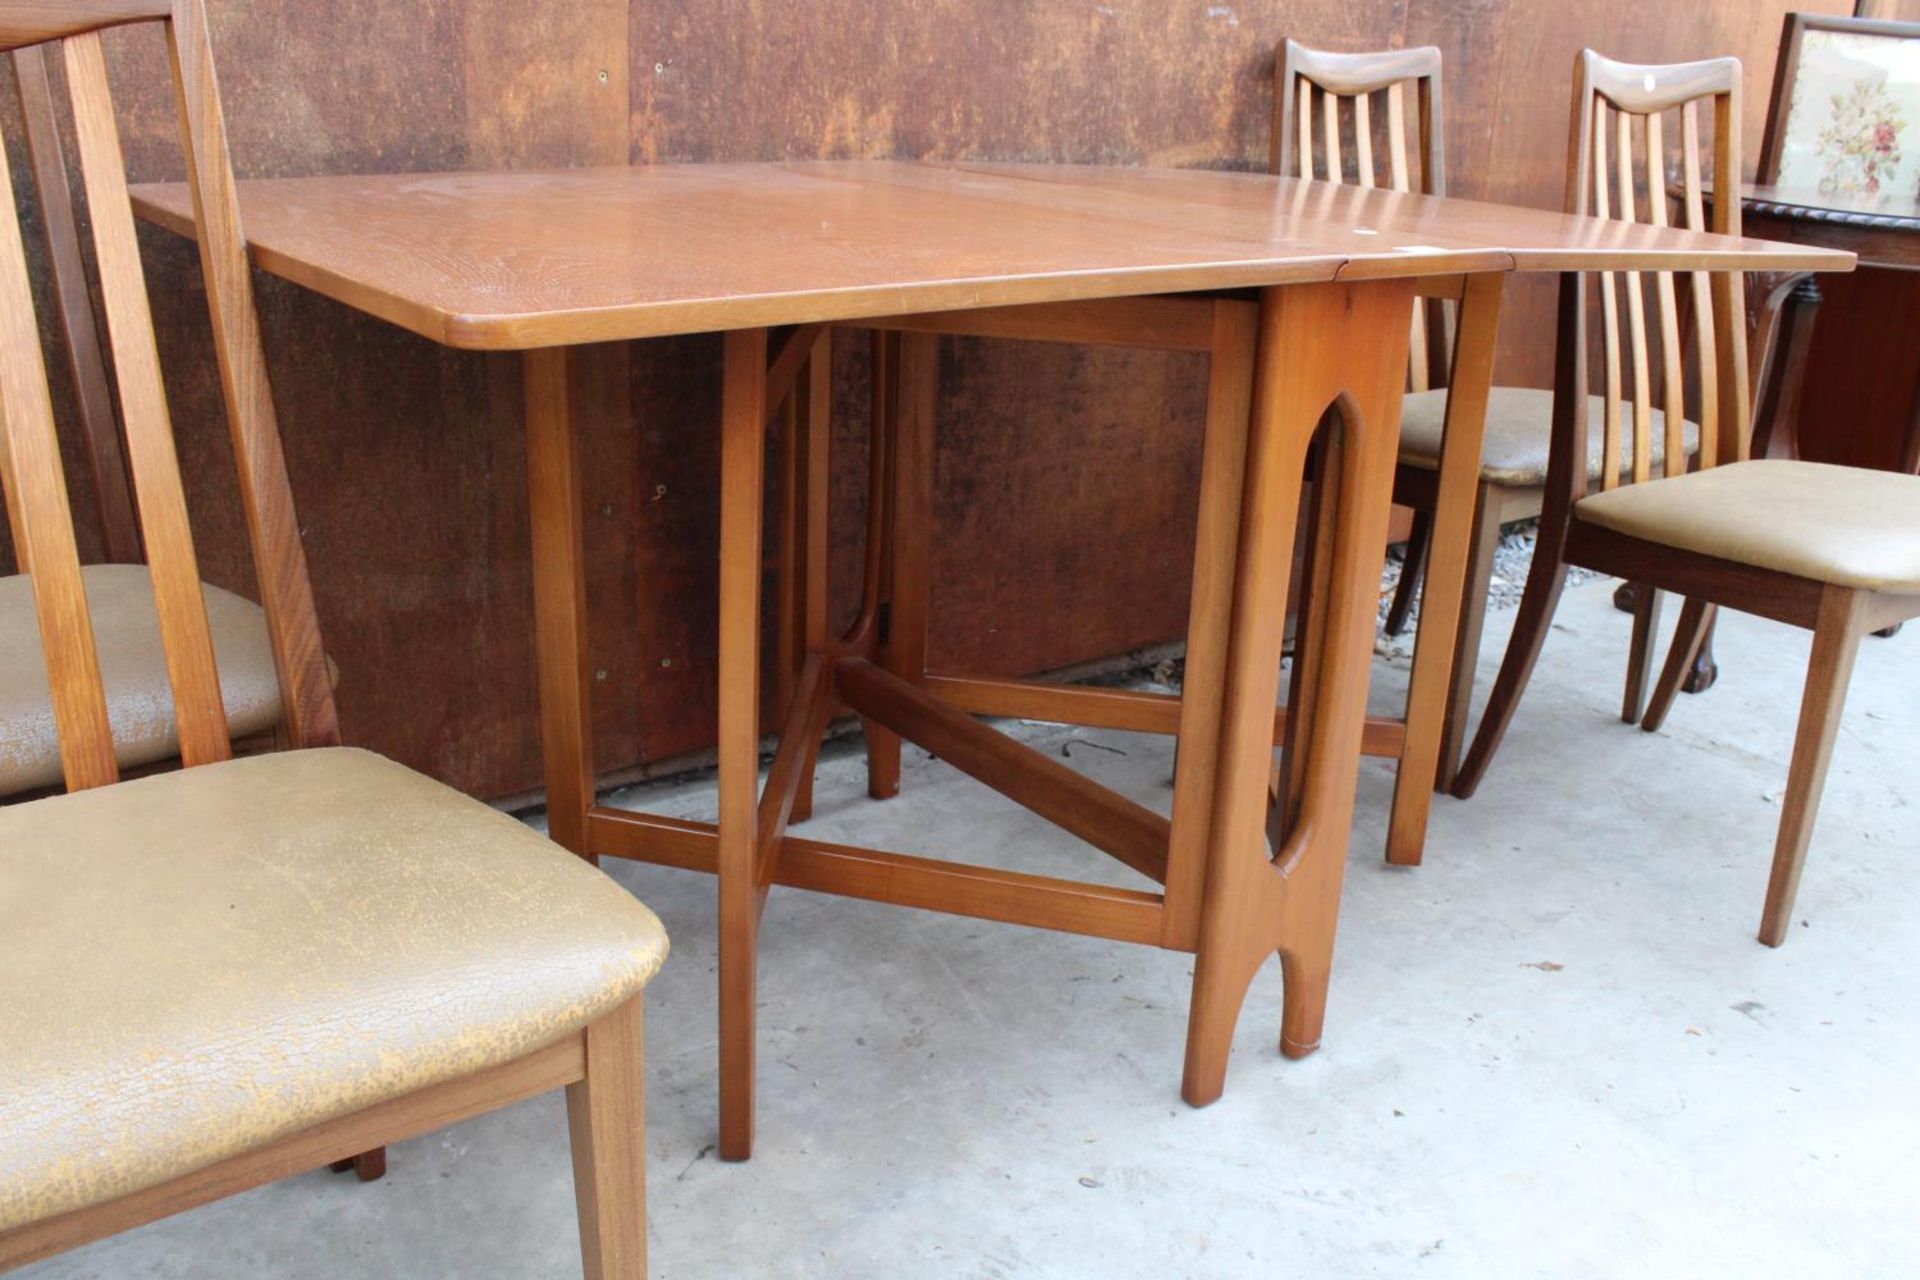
[106, 456]
[42, 521]
[185, 636]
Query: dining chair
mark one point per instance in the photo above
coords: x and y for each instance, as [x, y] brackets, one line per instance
[119, 591]
[248, 968]
[1832, 549]
[1342, 147]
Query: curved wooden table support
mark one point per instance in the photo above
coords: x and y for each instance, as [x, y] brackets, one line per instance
[1344, 347]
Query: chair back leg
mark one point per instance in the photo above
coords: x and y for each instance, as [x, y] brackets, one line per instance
[1836, 640]
[1411, 569]
[1541, 597]
[1646, 636]
[1696, 618]
[1475, 593]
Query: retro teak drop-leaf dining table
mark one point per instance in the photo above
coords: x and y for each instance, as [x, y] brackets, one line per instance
[1300, 292]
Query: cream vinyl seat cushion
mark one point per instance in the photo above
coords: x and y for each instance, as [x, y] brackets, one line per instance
[1841, 525]
[1519, 424]
[132, 667]
[196, 963]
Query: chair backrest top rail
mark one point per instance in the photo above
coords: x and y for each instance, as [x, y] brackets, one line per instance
[23, 24]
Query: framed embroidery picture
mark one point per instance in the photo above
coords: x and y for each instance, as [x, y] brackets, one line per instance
[1844, 121]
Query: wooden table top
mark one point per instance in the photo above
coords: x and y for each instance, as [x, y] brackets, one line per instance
[502, 261]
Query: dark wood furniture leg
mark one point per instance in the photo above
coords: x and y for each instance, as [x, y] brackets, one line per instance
[1690, 636]
[1783, 337]
[1646, 636]
[1466, 649]
[1909, 463]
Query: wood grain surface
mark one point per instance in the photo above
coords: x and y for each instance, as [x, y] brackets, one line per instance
[408, 460]
[524, 260]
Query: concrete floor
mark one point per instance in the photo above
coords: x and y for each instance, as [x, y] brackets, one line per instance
[1555, 1050]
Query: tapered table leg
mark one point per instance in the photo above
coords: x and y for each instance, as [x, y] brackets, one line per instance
[1322, 345]
[742, 479]
[559, 594]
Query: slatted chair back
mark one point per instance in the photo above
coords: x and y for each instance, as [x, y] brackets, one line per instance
[73, 304]
[1325, 126]
[1635, 155]
[38, 508]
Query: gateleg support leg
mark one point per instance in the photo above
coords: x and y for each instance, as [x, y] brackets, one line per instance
[1209, 615]
[559, 594]
[813, 398]
[1345, 346]
[910, 544]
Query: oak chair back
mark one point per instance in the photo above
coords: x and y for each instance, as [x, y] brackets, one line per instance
[1324, 117]
[38, 509]
[1635, 155]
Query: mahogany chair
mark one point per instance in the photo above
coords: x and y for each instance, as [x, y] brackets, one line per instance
[1513, 473]
[1833, 549]
[224, 975]
[119, 592]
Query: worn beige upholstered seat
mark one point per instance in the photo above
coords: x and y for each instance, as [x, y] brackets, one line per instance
[198, 963]
[1841, 525]
[1517, 432]
[134, 670]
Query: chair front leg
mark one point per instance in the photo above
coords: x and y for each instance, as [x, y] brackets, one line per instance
[606, 1120]
[1836, 640]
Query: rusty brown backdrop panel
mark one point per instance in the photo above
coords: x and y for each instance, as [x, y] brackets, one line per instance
[1066, 477]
